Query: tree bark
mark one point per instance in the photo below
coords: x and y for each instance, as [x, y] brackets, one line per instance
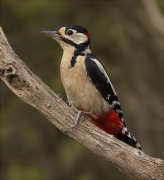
[28, 87]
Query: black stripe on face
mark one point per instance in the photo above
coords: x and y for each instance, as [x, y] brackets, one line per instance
[80, 47]
[67, 41]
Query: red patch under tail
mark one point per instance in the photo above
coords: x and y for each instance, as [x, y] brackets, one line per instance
[112, 124]
[109, 122]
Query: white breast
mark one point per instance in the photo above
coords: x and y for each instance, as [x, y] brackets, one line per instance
[79, 88]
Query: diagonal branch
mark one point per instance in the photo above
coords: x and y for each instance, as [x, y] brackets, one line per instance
[34, 92]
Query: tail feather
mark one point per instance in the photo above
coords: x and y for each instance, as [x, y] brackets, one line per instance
[112, 124]
[128, 138]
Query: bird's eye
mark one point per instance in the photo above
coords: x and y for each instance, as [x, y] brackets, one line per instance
[70, 32]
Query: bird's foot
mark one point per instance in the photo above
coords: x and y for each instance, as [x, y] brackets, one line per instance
[57, 92]
[79, 112]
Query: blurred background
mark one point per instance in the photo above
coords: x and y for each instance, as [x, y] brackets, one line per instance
[127, 36]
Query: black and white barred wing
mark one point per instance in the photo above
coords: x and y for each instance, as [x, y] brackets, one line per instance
[99, 77]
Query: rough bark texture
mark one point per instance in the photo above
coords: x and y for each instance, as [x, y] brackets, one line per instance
[33, 91]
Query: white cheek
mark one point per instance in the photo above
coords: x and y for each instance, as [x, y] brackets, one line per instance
[80, 38]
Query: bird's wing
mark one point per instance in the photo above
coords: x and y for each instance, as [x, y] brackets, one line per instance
[99, 77]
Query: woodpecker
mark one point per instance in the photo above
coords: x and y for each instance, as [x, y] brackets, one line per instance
[87, 84]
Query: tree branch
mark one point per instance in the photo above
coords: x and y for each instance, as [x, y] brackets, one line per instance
[34, 92]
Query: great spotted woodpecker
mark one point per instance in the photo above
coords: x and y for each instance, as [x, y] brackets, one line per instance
[87, 83]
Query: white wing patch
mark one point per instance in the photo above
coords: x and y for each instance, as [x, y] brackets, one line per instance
[104, 72]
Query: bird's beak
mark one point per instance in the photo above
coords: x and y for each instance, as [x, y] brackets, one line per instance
[53, 34]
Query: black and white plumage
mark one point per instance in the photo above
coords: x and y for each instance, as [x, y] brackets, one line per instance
[99, 77]
[87, 83]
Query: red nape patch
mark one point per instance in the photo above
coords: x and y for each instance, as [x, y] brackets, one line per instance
[87, 34]
[109, 122]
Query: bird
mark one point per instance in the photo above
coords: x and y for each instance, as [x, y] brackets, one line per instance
[87, 84]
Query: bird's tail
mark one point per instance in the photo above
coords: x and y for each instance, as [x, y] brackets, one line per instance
[128, 138]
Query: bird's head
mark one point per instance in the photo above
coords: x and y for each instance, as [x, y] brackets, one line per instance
[70, 36]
